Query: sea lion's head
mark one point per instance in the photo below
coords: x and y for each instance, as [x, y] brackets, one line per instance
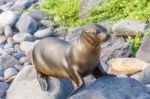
[93, 35]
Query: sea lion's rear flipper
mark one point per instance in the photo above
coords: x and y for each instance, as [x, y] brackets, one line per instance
[100, 72]
[42, 81]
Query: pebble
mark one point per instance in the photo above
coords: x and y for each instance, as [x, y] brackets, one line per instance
[20, 37]
[9, 73]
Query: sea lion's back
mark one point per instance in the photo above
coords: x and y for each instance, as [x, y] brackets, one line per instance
[49, 51]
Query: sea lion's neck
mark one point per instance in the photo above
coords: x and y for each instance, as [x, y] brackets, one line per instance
[86, 45]
[88, 42]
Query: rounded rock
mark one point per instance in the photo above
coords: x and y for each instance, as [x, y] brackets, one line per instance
[1, 31]
[3, 88]
[3, 39]
[8, 18]
[8, 45]
[23, 60]
[26, 23]
[18, 55]
[8, 31]
[20, 37]
[9, 73]
[44, 33]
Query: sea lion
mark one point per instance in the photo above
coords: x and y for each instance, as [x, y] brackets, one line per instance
[58, 58]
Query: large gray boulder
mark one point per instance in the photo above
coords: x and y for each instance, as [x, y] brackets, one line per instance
[144, 50]
[26, 86]
[128, 28]
[26, 23]
[113, 88]
[8, 18]
[114, 48]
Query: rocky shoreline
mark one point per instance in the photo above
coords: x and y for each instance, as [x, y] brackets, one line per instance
[20, 30]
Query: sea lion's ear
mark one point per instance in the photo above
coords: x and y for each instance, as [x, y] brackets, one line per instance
[103, 37]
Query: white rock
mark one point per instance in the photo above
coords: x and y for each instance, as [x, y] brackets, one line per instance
[9, 73]
[8, 31]
[43, 33]
[27, 46]
[8, 18]
[26, 23]
[20, 37]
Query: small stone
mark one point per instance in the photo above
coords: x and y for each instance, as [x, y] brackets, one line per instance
[8, 31]
[2, 2]
[20, 37]
[9, 73]
[10, 40]
[8, 18]
[2, 79]
[26, 23]
[8, 45]
[26, 64]
[7, 61]
[17, 47]
[47, 23]
[18, 55]
[126, 65]
[3, 39]
[9, 51]
[122, 76]
[6, 7]
[19, 67]
[23, 60]
[27, 46]
[1, 31]
[37, 14]
[3, 89]
[2, 71]
[44, 33]
[21, 4]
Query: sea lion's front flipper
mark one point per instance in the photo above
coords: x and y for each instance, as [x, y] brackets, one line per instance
[78, 83]
[100, 72]
[42, 81]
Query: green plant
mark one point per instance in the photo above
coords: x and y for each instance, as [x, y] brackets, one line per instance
[147, 33]
[136, 42]
[66, 12]
[120, 9]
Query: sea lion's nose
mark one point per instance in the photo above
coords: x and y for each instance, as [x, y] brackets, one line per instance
[103, 36]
